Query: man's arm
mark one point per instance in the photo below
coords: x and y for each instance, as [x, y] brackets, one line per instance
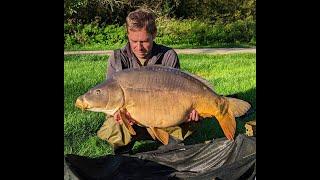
[171, 59]
[111, 66]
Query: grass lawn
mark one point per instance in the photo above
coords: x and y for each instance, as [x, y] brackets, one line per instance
[233, 74]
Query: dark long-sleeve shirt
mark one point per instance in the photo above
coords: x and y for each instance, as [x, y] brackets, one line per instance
[125, 59]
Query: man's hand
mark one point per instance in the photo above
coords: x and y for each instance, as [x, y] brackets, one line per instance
[193, 116]
[118, 118]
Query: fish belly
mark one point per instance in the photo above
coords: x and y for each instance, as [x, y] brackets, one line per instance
[158, 108]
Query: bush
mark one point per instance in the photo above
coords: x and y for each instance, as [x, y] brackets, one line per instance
[92, 34]
[200, 33]
[115, 11]
[171, 32]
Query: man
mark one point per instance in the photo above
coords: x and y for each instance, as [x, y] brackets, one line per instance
[141, 50]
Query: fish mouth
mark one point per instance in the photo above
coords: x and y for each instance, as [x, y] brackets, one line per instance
[81, 104]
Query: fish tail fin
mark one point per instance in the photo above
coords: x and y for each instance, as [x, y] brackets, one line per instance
[237, 106]
[229, 108]
[228, 124]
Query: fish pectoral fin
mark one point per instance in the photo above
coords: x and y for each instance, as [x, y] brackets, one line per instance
[151, 133]
[228, 125]
[127, 124]
[160, 134]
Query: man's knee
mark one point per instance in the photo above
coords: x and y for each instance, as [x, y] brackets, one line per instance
[106, 129]
[102, 134]
[115, 134]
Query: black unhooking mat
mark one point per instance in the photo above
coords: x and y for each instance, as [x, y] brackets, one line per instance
[219, 159]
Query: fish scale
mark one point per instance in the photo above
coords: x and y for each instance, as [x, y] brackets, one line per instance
[157, 82]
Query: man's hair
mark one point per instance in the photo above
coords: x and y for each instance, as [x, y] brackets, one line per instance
[141, 18]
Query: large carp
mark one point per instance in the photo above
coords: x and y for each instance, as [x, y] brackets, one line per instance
[158, 97]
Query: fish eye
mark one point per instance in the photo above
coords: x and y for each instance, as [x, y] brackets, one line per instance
[98, 91]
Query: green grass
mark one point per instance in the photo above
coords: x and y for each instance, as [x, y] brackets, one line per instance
[233, 74]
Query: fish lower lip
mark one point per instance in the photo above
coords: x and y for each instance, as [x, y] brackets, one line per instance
[80, 104]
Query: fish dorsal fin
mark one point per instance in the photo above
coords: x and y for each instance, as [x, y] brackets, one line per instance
[165, 68]
[201, 79]
[160, 134]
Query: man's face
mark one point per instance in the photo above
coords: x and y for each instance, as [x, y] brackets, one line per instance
[141, 42]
